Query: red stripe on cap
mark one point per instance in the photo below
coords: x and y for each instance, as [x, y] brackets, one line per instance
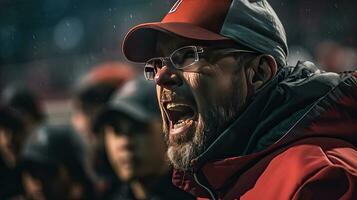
[207, 14]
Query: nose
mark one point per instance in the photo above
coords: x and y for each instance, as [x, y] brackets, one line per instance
[167, 77]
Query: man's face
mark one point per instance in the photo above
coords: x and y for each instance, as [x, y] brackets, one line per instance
[197, 106]
[81, 122]
[44, 182]
[81, 119]
[10, 146]
[135, 151]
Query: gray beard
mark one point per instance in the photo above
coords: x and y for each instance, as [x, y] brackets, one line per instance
[182, 151]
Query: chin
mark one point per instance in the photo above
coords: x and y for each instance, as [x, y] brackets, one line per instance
[126, 176]
[182, 148]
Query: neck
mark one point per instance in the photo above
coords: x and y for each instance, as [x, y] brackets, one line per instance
[139, 189]
[142, 186]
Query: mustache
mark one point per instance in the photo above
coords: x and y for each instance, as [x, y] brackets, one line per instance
[169, 96]
[176, 96]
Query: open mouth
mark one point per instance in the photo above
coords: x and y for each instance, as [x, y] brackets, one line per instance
[180, 117]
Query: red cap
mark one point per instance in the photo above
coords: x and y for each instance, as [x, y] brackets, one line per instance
[112, 72]
[193, 19]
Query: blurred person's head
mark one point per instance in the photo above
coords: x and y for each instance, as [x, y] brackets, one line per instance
[25, 101]
[334, 57]
[93, 92]
[54, 165]
[12, 136]
[208, 59]
[131, 126]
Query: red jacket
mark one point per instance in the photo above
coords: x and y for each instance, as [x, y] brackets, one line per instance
[313, 155]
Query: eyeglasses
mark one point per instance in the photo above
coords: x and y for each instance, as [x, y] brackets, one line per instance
[184, 59]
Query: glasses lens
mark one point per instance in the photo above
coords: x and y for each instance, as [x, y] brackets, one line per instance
[184, 57]
[149, 73]
[150, 68]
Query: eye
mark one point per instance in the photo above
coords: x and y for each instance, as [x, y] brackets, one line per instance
[151, 67]
[184, 57]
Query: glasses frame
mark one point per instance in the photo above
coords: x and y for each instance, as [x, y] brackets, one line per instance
[190, 67]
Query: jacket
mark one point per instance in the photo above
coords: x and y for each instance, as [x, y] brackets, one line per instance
[160, 189]
[297, 139]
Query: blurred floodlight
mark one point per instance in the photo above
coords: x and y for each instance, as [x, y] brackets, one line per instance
[68, 33]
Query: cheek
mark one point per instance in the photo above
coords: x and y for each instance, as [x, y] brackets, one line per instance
[5, 137]
[198, 85]
[241, 89]
[80, 123]
[209, 90]
[110, 145]
[158, 94]
[30, 183]
[223, 89]
[144, 146]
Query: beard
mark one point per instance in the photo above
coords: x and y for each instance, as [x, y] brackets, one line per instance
[182, 149]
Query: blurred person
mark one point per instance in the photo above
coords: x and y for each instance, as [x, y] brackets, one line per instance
[54, 165]
[12, 137]
[131, 126]
[93, 91]
[27, 102]
[90, 95]
[239, 122]
[334, 57]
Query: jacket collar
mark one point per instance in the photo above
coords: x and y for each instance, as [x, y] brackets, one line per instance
[289, 81]
[277, 100]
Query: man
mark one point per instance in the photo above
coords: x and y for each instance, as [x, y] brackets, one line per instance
[90, 96]
[12, 137]
[239, 123]
[131, 126]
[27, 102]
[54, 165]
[93, 91]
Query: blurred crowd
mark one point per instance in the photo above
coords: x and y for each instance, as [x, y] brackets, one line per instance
[100, 137]
[112, 149]
[112, 146]
[329, 55]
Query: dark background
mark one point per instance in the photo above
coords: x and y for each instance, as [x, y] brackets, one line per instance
[49, 44]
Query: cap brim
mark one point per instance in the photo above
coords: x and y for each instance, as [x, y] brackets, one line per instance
[140, 42]
[123, 108]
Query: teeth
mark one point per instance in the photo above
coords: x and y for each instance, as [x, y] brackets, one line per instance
[178, 125]
[172, 106]
[179, 114]
[181, 123]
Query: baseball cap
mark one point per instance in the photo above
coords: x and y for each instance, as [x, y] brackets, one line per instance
[24, 100]
[136, 99]
[248, 23]
[113, 72]
[55, 146]
[95, 88]
[11, 119]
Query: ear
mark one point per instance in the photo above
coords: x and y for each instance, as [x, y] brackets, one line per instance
[260, 71]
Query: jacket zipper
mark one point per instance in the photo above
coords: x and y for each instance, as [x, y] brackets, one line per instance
[206, 188]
